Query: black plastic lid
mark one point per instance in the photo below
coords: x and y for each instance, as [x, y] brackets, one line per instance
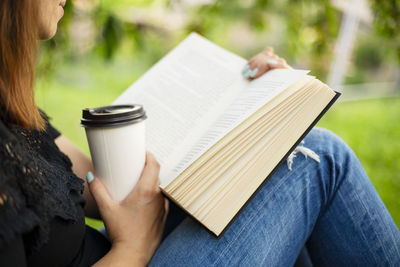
[112, 116]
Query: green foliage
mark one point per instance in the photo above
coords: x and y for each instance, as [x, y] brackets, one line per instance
[387, 21]
[310, 27]
[111, 36]
[299, 16]
[369, 55]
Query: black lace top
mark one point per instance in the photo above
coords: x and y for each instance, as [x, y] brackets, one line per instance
[41, 203]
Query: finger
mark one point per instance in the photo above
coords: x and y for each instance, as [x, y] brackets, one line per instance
[280, 63]
[162, 216]
[262, 65]
[149, 180]
[248, 68]
[245, 69]
[252, 69]
[151, 171]
[247, 73]
[263, 68]
[253, 64]
[99, 191]
[166, 210]
[258, 64]
[272, 63]
[269, 51]
[286, 66]
[166, 205]
[253, 72]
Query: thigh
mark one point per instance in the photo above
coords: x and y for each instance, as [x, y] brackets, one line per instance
[270, 230]
[312, 200]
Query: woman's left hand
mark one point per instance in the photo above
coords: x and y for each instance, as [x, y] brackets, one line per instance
[263, 62]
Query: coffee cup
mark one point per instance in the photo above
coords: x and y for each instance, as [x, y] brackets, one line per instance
[116, 138]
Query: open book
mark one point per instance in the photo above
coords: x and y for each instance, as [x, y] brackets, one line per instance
[218, 136]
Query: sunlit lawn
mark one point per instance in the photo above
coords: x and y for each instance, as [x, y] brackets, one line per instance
[370, 127]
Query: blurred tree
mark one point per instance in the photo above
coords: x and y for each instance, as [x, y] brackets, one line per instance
[309, 27]
[387, 21]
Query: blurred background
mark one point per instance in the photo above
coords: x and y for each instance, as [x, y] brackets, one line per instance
[103, 46]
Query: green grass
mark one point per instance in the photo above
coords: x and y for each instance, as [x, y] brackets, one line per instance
[370, 127]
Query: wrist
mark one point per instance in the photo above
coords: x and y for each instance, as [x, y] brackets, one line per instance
[122, 255]
[130, 252]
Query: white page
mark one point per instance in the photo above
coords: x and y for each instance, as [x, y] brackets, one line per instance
[183, 94]
[198, 86]
[257, 93]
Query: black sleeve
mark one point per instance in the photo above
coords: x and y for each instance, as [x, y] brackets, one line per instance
[16, 217]
[14, 253]
[51, 131]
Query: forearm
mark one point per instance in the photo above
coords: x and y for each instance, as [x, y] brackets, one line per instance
[81, 165]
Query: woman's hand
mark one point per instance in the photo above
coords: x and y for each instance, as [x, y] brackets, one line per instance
[134, 225]
[263, 62]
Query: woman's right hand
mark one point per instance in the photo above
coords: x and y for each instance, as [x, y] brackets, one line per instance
[262, 62]
[135, 224]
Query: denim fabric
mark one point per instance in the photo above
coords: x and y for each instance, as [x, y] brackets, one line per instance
[331, 207]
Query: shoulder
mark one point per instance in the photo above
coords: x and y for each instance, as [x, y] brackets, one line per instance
[6, 133]
[50, 129]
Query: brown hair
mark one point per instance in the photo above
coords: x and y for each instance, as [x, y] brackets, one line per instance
[18, 44]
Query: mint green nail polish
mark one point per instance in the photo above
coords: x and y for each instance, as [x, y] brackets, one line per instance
[254, 73]
[272, 62]
[245, 69]
[89, 177]
[247, 74]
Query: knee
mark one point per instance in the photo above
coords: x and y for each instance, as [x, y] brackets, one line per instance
[324, 147]
[326, 143]
[338, 163]
[337, 160]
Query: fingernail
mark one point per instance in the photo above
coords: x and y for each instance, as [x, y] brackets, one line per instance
[89, 177]
[272, 62]
[254, 73]
[247, 74]
[245, 69]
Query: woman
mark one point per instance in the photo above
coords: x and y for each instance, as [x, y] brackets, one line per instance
[330, 206]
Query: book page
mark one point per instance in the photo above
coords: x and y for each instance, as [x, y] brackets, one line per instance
[253, 97]
[183, 95]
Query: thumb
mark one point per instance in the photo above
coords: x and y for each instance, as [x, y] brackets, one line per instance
[98, 191]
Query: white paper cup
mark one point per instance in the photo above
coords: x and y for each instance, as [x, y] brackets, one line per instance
[116, 138]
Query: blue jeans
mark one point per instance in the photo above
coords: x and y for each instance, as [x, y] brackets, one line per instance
[331, 207]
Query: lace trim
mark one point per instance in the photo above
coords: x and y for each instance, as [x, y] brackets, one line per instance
[36, 182]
